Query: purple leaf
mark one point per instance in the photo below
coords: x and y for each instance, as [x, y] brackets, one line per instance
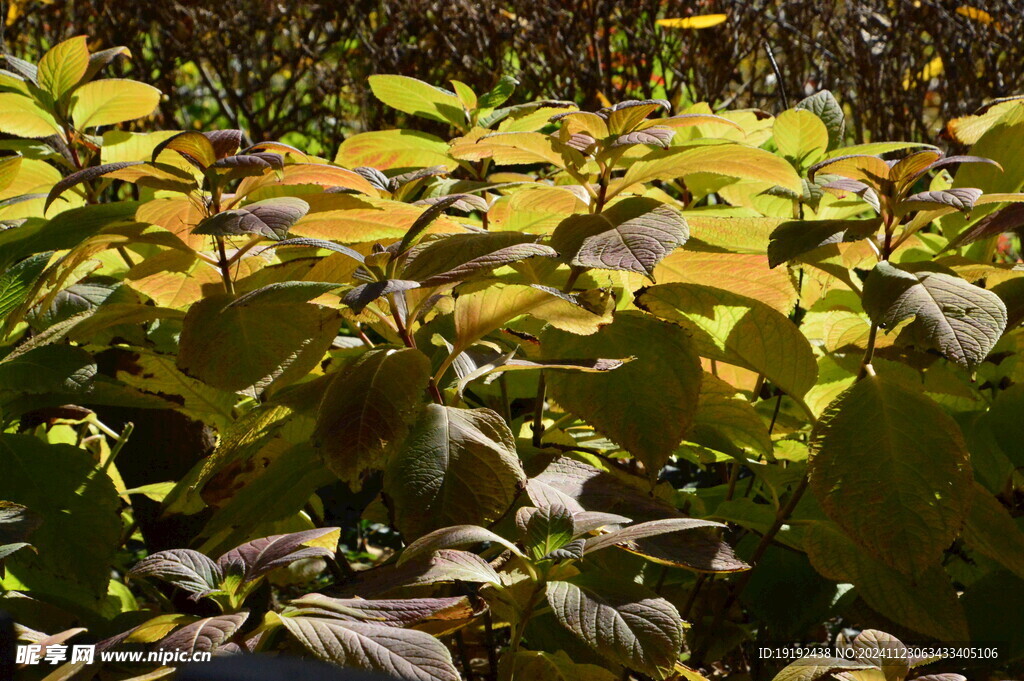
[260, 556]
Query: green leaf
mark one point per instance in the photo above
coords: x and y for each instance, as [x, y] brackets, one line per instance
[63, 66]
[458, 466]
[66, 230]
[623, 621]
[549, 529]
[22, 117]
[367, 408]
[992, 531]
[269, 218]
[796, 237]
[557, 666]
[891, 468]
[824, 105]
[59, 482]
[235, 347]
[925, 602]
[800, 135]
[499, 94]
[727, 422]
[959, 319]
[731, 160]
[812, 669]
[110, 101]
[17, 281]
[647, 405]
[49, 368]
[738, 330]
[419, 99]
[632, 235]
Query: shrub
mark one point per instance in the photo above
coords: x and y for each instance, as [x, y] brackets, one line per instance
[588, 364]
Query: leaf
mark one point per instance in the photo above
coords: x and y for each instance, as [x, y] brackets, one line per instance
[448, 565]
[58, 481]
[415, 97]
[884, 651]
[316, 174]
[548, 530]
[891, 468]
[1008, 219]
[22, 117]
[235, 347]
[647, 405]
[633, 235]
[184, 568]
[112, 100]
[432, 212]
[49, 368]
[452, 537]
[402, 653]
[393, 150]
[727, 422]
[364, 294]
[824, 105]
[557, 666]
[800, 135]
[195, 147]
[696, 21]
[960, 320]
[991, 531]
[367, 408]
[483, 310]
[796, 237]
[651, 528]
[458, 466]
[206, 635]
[17, 522]
[460, 256]
[270, 218]
[731, 160]
[925, 602]
[623, 621]
[85, 176]
[320, 243]
[961, 199]
[577, 485]
[404, 612]
[63, 66]
[737, 330]
[814, 668]
[17, 281]
[499, 94]
[260, 556]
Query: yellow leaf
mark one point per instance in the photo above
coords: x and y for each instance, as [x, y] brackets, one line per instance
[63, 66]
[699, 21]
[22, 117]
[113, 100]
[979, 15]
[393, 149]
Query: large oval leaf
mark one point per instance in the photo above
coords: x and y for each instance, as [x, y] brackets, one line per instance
[738, 330]
[367, 408]
[233, 347]
[421, 99]
[459, 466]
[623, 621]
[403, 653]
[632, 235]
[959, 319]
[646, 405]
[891, 468]
[112, 100]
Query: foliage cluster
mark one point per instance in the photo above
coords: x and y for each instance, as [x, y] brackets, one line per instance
[634, 388]
[902, 68]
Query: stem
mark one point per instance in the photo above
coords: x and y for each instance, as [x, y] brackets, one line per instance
[492, 656]
[538, 412]
[224, 266]
[780, 519]
[126, 433]
[244, 249]
[460, 646]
